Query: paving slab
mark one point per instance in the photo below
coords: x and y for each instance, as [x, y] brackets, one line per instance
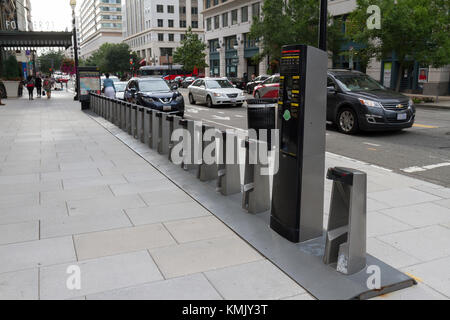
[390, 254]
[104, 204]
[157, 198]
[19, 200]
[418, 292]
[33, 254]
[379, 224]
[19, 232]
[32, 213]
[20, 285]
[77, 183]
[113, 242]
[61, 196]
[259, 280]
[157, 184]
[99, 275]
[191, 287]
[194, 257]
[403, 197]
[420, 215]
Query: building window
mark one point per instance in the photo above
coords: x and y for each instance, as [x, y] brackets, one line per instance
[208, 4]
[216, 2]
[244, 14]
[170, 23]
[170, 9]
[182, 23]
[216, 22]
[225, 19]
[256, 10]
[230, 42]
[195, 24]
[249, 43]
[182, 10]
[182, 37]
[171, 37]
[234, 17]
[159, 8]
[160, 23]
[194, 10]
[160, 36]
[208, 24]
[213, 45]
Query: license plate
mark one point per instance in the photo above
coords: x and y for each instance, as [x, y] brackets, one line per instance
[401, 116]
[167, 108]
[233, 100]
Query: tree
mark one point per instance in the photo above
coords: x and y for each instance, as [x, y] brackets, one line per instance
[50, 61]
[68, 66]
[290, 22]
[113, 58]
[11, 68]
[415, 30]
[191, 53]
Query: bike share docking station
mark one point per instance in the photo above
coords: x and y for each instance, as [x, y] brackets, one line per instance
[286, 228]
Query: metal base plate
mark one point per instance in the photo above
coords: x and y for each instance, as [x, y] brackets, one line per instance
[302, 262]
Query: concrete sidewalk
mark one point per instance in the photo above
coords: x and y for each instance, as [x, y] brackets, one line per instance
[73, 194]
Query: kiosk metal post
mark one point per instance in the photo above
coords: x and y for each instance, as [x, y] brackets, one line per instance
[298, 187]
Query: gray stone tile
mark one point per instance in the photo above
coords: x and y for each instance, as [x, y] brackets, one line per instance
[402, 197]
[31, 213]
[374, 205]
[440, 192]
[12, 189]
[35, 254]
[420, 215]
[19, 200]
[418, 292]
[444, 203]
[164, 213]
[20, 285]
[435, 274]
[259, 280]
[106, 243]
[192, 287]
[389, 254]
[426, 243]
[304, 296]
[99, 275]
[77, 183]
[104, 204]
[157, 198]
[149, 174]
[143, 187]
[19, 179]
[62, 196]
[19, 232]
[52, 176]
[127, 168]
[198, 229]
[194, 257]
[379, 224]
[85, 165]
[83, 224]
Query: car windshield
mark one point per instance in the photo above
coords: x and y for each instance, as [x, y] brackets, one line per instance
[153, 85]
[120, 87]
[358, 83]
[217, 84]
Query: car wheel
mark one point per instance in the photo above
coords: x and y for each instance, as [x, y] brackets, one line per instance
[347, 121]
[239, 105]
[191, 99]
[209, 102]
[257, 95]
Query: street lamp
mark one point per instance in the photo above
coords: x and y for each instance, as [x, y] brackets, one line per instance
[323, 25]
[73, 4]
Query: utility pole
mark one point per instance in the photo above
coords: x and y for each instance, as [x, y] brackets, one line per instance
[73, 4]
[323, 25]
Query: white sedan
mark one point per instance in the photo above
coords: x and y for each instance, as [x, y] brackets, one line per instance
[120, 89]
[215, 91]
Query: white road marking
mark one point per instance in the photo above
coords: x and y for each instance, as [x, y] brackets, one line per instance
[238, 116]
[192, 110]
[221, 118]
[371, 144]
[425, 168]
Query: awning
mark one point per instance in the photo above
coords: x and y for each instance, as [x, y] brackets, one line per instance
[142, 62]
[27, 40]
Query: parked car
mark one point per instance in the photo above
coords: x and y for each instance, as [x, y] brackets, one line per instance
[268, 89]
[239, 83]
[358, 102]
[215, 91]
[187, 82]
[120, 89]
[154, 93]
[252, 84]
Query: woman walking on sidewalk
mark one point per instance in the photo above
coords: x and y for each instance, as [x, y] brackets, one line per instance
[108, 87]
[1, 104]
[48, 87]
[30, 87]
[38, 83]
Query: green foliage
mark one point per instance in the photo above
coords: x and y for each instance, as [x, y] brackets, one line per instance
[11, 68]
[416, 30]
[113, 58]
[291, 22]
[50, 60]
[191, 53]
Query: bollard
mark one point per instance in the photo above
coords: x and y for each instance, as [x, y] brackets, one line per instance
[174, 125]
[229, 180]
[207, 172]
[147, 126]
[123, 107]
[141, 122]
[346, 233]
[155, 129]
[256, 189]
[163, 136]
[192, 144]
[128, 119]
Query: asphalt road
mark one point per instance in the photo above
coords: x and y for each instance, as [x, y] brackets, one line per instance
[422, 152]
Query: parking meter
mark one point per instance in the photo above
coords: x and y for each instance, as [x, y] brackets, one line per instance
[298, 187]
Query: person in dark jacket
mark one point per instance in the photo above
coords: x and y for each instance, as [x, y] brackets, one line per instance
[38, 84]
[30, 87]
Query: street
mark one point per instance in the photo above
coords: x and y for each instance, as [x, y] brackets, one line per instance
[422, 152]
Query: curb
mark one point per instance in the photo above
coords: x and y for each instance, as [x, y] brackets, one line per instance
[421, 106]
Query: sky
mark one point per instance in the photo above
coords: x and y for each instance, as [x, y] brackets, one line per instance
[51, 15]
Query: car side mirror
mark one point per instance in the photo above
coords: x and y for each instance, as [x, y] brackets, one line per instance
[174, 86]
[331, 90]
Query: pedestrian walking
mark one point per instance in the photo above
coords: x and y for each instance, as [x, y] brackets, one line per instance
[21, 85]
[1, 104]
[30, 87]
[48, 87]
[108, 87]
[38, 83]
